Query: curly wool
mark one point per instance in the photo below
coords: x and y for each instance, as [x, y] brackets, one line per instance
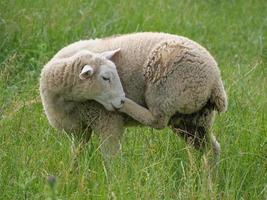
[160, 60]
[195, 77]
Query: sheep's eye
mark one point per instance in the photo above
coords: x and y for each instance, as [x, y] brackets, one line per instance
[105, 78]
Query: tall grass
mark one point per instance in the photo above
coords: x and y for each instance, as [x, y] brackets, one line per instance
[36, 161]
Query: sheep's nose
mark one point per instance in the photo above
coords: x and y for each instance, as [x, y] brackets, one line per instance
[122, 101]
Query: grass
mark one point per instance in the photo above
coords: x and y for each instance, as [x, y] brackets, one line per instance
[36, 161]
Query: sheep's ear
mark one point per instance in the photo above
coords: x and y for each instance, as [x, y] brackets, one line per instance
[109, 54]
[86, 72]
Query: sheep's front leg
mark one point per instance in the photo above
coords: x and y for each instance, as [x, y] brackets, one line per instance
[143, 115]
[109, 127]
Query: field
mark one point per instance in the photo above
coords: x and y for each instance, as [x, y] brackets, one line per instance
[37, 162]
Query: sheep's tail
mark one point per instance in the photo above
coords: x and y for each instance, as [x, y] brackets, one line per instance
[218, 97]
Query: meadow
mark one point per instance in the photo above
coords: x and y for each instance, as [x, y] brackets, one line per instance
[36, 161]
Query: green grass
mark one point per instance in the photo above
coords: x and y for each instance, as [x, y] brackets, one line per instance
[152, 164]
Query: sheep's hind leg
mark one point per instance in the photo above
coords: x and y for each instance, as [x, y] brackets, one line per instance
[195, 129]
[204, 141]
[216, 147]
[143, 115]
[194, 136]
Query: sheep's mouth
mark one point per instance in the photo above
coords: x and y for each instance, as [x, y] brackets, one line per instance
[117, 107]
[111, 107]
[114, 108]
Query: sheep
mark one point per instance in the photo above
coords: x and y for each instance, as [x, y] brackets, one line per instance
[80, 77]
[169, 81]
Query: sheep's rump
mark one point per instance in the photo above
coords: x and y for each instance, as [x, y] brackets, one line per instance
[187, 77]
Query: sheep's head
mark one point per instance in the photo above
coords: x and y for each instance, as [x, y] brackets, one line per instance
[99, 80]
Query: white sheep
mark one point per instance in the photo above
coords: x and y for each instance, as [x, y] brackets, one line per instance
[169, 80]
[82, 76]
